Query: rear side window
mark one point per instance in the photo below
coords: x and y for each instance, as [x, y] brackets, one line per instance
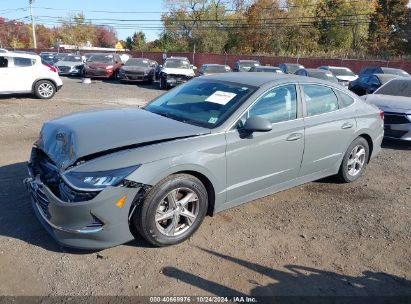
[345, 100]
[319, 99]
[4, 62]
[23, 62]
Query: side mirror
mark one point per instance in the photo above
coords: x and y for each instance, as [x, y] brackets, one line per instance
[257, 124]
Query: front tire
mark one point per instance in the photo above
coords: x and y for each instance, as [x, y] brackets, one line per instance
[44, 89]
[355, 160]
[172, 210]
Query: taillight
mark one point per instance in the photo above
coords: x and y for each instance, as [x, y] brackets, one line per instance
[51, 68]
[382, 114]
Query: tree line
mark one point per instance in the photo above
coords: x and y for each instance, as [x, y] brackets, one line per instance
[356, 28]
[327, 28]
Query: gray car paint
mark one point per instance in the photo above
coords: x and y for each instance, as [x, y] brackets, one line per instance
[238, 169]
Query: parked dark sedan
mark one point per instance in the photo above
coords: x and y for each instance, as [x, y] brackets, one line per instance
[245, 65]
[317, 73]
[367, 84]
[383, 70]
[137, 69]
[394, 98]
[102, 66]
[290, 68]
[211, 69]
[266, 69]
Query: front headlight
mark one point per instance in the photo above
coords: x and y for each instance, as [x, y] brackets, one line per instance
[97, 180]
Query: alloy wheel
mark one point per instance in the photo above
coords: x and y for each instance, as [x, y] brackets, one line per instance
[177, 211]
[356, 160]
[45, 90]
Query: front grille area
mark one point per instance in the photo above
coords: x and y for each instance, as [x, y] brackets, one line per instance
[395, 119]
[40, 197]
[42, 166]
[134, 73]
[64, 69]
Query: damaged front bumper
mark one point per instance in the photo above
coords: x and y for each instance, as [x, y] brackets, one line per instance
[95, 224]
[174, 80]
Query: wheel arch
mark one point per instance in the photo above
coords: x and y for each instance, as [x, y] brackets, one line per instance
[370, 144]
[207, 184]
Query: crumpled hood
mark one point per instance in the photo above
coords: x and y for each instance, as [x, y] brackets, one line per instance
[68, 63]
[389, 103]
[186, 72]
[72, 137]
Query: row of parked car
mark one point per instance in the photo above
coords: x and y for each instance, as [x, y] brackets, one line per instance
[25, 73]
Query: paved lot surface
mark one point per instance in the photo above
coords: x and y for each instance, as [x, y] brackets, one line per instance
[322, 238]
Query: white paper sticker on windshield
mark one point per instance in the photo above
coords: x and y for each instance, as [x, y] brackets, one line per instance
[221, 97]
[213, 120]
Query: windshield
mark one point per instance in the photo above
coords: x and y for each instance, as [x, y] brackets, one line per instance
[292, 68]
[325, 76]
[216, 69]
[138, 63]
[246, 65]
[72, 58]
[396, 87]
[177, 64]
[100, 58]
[395, 72]
[342, 72]
[264, 69]
[205, 103]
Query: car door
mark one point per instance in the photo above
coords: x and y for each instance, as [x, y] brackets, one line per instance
[265, 159]
[329, 128]
[22, 74]
[5, 84]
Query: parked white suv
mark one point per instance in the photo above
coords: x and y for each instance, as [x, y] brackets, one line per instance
[25, 73]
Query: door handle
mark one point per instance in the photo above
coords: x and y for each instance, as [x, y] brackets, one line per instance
[294, 136]
[347, 125]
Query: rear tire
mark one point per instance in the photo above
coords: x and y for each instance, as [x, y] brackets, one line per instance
[172, 210]
[355, 160]
[44, 89]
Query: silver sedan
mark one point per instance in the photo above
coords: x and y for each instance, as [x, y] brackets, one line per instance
[210, 144]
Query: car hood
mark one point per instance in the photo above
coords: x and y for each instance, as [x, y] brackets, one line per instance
[95, 65]
[68, 63]
[186, 72]
[82, 135]
[389, 103]
[136, 69]
[346, 78]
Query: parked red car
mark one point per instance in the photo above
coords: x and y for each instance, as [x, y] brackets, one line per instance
[102, 66]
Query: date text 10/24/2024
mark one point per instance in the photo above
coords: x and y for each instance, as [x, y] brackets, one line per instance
[203, 299]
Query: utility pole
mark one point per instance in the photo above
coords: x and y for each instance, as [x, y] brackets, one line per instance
[33, 24]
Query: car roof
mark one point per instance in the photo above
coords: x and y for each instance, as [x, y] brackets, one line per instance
[267, 67]
[386, 77]
[213, 64]
[23, 55]
[318, 70]
[247, 60]
[259, 79]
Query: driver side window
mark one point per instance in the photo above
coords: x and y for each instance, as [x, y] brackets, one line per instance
[277, 105]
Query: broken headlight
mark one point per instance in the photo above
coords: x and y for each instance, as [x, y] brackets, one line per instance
[97, 180]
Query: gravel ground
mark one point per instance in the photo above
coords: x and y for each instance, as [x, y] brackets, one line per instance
[322, 238]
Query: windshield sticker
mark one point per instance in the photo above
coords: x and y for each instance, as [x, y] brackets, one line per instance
[221, 97]
[213, 120]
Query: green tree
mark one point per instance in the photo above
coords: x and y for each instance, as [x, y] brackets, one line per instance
[137, 42]
[389, 28]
